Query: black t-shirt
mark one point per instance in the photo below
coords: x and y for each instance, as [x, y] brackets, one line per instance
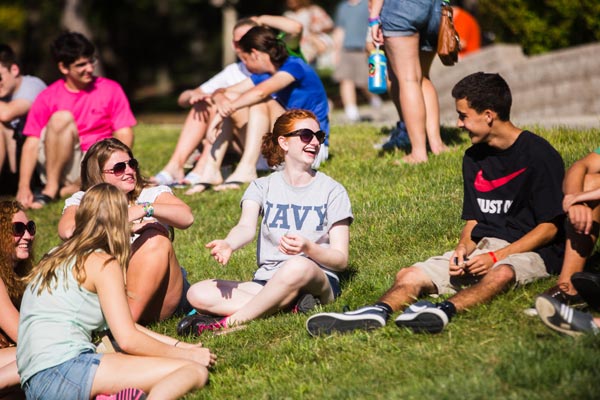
[509, 192]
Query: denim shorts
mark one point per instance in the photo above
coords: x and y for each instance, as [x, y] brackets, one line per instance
[71, 380]
[408, 17]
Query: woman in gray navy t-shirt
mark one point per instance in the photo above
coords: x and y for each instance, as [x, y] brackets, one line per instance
[303, 239]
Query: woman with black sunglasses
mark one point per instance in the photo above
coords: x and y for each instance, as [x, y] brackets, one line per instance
[16, 256]
[156, 283]
[303, 240]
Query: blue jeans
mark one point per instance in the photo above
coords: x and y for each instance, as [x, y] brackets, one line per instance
[71, 380]
[408, 17]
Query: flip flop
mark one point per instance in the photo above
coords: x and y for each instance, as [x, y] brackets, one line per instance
[192, 179]
[230, 185]
[42, 199]
[163, 178]
[199, 188]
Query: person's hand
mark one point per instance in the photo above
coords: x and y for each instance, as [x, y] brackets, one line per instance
[214, 129]
[457, 261]
[202, 356]
[377, 34]
[223, 105]
[220, 250]
[293, 244]
[581, 218]
[25, 197]
[479, 264]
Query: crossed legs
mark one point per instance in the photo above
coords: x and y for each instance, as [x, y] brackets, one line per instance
[245, 301]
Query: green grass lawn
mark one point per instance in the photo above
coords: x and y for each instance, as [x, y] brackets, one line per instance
[403, 214]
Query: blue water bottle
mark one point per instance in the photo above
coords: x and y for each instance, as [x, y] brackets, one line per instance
[377, 71]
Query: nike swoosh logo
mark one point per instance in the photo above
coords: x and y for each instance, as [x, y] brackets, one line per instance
[483, 185]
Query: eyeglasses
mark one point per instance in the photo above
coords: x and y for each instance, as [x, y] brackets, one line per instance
[19, 228]
[306, 135]
[119, 168]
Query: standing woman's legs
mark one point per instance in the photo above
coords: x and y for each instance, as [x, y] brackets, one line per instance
[432, 105]
[403, 54]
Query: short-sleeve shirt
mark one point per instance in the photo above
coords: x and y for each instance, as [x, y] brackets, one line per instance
[306, 92]
[99, 110]
[353, 19]
[509, 192]
[309, 211]
[597, 151]
[28, 90]
[230, 75]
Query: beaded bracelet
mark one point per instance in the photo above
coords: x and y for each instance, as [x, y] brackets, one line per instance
[148, 209]
[374, 21]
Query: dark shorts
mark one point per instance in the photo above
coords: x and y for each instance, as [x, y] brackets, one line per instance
[184, 306]
[408, 17]
[333, 283]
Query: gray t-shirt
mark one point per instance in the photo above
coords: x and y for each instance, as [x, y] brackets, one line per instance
[309, 211]
[30, 87]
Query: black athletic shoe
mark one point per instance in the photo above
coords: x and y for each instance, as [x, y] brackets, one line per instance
[587, 285]
[306, 302]
[423, 316]
[365, 318]
[563, 318]
[189, 325]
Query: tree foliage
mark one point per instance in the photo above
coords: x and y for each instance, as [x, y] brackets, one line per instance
[541, 25]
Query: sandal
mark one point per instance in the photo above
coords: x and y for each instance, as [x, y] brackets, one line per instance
[163, 178]
[42, 199]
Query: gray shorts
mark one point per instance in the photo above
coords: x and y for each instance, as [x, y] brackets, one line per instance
[408, 17]
[528, 267]
[353, 67]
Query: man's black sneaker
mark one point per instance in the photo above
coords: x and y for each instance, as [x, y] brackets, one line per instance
[563, 318]
[559, 293]
[587, 285]
[423, 316]
[365, 318]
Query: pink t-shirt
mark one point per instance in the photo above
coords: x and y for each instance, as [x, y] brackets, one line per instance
[98, 110]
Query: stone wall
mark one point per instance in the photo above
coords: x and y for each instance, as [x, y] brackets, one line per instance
[556, 88]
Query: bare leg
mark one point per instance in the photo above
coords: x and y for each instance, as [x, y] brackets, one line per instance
[161, 378]
[9, 375]
[8, 148]
[194, 129]
[403, 53]
[348, 95]
[61, 136]
[492, 284]
[432, 106]
[409, 284]
[154, 278]
[244, 301]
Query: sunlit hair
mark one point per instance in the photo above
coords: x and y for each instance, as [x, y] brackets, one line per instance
[12, 272]
[94, 162]
[271, 150]
[101, 223]
[264, 39]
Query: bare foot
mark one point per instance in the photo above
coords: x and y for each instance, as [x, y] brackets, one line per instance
[408, 159]
[200, 187]
[69, 189]
[441, 149]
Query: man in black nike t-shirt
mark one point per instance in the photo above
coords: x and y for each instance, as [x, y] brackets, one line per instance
[512, 206]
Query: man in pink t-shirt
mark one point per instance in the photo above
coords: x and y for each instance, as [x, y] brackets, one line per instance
[67, 118]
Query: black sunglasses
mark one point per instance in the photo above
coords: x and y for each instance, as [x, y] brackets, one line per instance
[19, 228]
[119, 168]
[306, 135]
